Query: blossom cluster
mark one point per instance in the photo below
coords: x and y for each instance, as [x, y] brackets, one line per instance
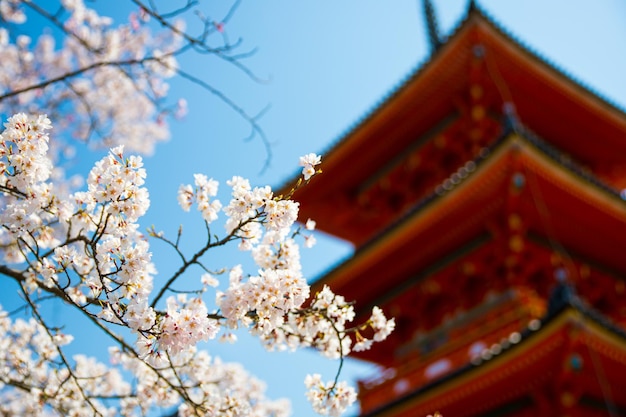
[96, 68]
[185, 323]
[86, 248]
[207, 387]
[205, 188]
[24, 171]
[23, 149]
[325, 325]
[325, 404]
[30, 356]
[308, 162]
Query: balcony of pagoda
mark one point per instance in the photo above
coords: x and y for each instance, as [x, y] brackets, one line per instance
[472, 336]
[570, 362]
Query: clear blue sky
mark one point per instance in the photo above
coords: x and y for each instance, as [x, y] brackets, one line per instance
[329, 62]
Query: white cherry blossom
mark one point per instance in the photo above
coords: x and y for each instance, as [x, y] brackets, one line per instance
[308, 162]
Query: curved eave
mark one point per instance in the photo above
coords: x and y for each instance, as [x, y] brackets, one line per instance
[548, 63]
[558, 202]
[536, 357]
[562, 111]
[571, 209]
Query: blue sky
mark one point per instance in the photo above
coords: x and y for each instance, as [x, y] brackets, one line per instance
[329, 62]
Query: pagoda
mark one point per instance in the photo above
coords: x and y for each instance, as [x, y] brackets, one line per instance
[482, 198]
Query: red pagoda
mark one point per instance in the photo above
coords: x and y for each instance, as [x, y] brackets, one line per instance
[482, 197]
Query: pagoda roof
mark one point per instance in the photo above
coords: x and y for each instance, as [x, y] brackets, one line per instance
[558, 201]
[571, 354]
[568, 115]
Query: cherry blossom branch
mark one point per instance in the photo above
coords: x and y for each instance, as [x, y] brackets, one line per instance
[197, 42]
[125, 346]
[59, 350]
[90, 41]
[13, 191]
[76, 73]
[195, 258]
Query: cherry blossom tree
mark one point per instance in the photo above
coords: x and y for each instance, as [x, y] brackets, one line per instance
[83, 244]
